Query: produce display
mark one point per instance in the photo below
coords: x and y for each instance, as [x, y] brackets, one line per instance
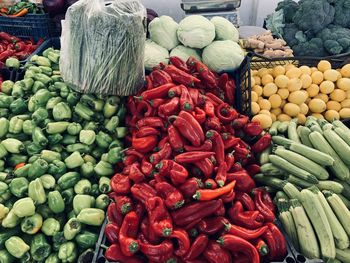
[57, 152]
[212, 41]
[20, 9]
[284, 92]
[184, 191]
[309, 166]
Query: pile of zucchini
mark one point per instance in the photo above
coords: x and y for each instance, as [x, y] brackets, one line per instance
[308, 166]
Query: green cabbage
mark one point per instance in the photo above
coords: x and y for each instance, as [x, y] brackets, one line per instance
[224, 29]
[196, 32]
[223, 55]
[163, 31]
[155, 54]
[185, 52]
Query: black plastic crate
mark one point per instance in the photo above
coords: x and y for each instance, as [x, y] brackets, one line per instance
[51, 42]
[12, 74]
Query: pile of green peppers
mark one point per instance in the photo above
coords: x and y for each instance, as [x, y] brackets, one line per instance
[58, 149]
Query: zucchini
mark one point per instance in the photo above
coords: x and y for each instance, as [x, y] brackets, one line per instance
[341, 239]
[343, 134]
[281, 140]
[339, 208]
[299, 182]
[318, 218]
[291, 190]
[264, 156]
[298, 130]
[302, 162]
[271, 170]
[287, 221]
[346, 188]
[340, 124]
[331, 186]
[306, 235]
[338, 168]
[316, 128]
[280, 195]
[322, 122]
[283, 127]
[304, 136]
[311, 153]
[345, 200]
[343, 255]
[292, 132]
[273, 130]
[337, 143]
[291, 168]
[269, 181]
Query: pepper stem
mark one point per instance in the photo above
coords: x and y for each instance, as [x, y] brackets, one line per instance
[209, 134]
[126, 208]
[227, 226]
[264, 250]
[220, 183]
[133, 247]
[197, 195]
[208, 185]
[220, 241]
[167, 232]
[159, 165]
[179, 204]
[187, 106]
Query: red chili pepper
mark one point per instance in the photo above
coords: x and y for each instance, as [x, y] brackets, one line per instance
[206, 146]
[169, 108]
[123, 204]
[164, 153]
[19, 46]
[175, 139]
[172, 196]
[114, 253]
[146, 131]
[269, 216]
[266, 198]
[179, 63]
[206, 75]
[131, 105]
[221, 174]
[210, 184]
[244, 182]
[113, 215]
[223, 79]
[206, 166]
[142, 192]
[145, 144]
[245, 233]
[199, 115]
[187, 130]
[148, 232]
[237, 167]
[160, 78]
[149, 83]
[215, 253]
[156, 93]
[212, 225]
[230, 160]
[240, 122]
[120, 184]
[231, 142]
[213, 123]
[129, 245]
[237, 244]
[209, 108]
[190, 157]
[154, 122]
[180, 76]
[215, 99]
[159, 217]
[146, 167]
[246, 201]
[144, 109]
[261, 247]
[190, 186]
[263, 143]
[194, 93]
[186, 102]
[241, 152]
[230, 90]
[280, 241]
[183, 242]
[175, 92]
[155, 103]
[272, 244]
[198, 247]
[158, 253]
[195, 211]
[6, 54]
[253, 169]
[226, 113]
[178, 173]
[253, 129]
[111, 232]
[135, 173]
[218, 145]
[209, 194]
[248, 219]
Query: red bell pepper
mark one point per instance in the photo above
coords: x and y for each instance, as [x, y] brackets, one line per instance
[178, 174]
[209, 108]
[145, 144]
[244, 183]
[144, 109]
[175, 139]
[160, 78]
[146, 167]
[120, 184]
[175, 92]
[142, 192]
[148, 232]
[198, 247]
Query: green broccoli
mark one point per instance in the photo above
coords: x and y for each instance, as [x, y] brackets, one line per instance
[289, 32]
[342, 13]
[313, 47]
[313, 15]
[289, 8]
[336, 39]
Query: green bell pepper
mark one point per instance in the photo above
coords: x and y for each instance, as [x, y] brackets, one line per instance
[57, 78]
[46, 70]
[91, 216]
[43, 78]
[39, 137]
[87, 137]
[57, 127]
[57, 168]
[91, 126]
[74, 128]
[53, 102]
[16, 246]
[7, 233]
[19, 187]
[102, 201]
[86, 239]
[43, 61]
[121, 132]
[45, 211]
[27, 84]
[104, 185]
[3, 188]
[17, 90]
[3, 151]
[58, 239]
[55, 202]
[18, 136]
[3, 211]
[54, 139]
[5, 101]
[39, 248]
[87, 169]
[50, 156]
[103, 140]
[71, 214]
[36, 191]
[24, 207]
[69, 139]
[78, 147]
[50, 227]
[67, 252]
[10, 220]
[42, 96]
[13, 145]
[48, 181]
[28, 127]
[18, 106]
[5, 196]
[2, 164]
[68, 196]
[111, 106]
[61, 112]
[33, 149]
[32, 224]
[82, 187]
[89, 159]
[115, 155]
[74, 160]
[39, 168]
[4, 124]
[68, 180]
[115, 144]
[53, 258]
[71, 228]
[112, 124]
[6, 87]
[53, 57]
[6, 257]
[32, 105]
[73, 98]
[38, 85]
[83, 111]
[103, 168]
[40, 115]
[82, 201]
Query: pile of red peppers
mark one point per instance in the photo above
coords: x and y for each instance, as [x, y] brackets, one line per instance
[184, 191]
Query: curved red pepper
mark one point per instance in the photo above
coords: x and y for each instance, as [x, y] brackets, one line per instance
[159, 78]
[120, 184]
[269, 238]
[129, 245]
[246, 201]
[180, 76]
[253, 169]
[145, 144]
[245, 233]
[146, 131]
[114, 253]
[148, 232]
[269, 216]
[123, 204]
[248, 219]
[221, 174]
[231, 142]
[197, 248]
[280, 241]
[226, 113]
[136, 174]
[154, 122]
[143, 192]
[162, 142]
[144, 109]
[215, 99]
[190, 186]
[111, 232]
[171, 195]
[263, 143]
[175, 139]
[266, 198]
[244, 183]
[218, 145]
[190, 157]
[178, 174]
[215, 253]
[206, 147]
[199, 115]
[158, 253]
[229, 197]
[213, 225]
[163, 153]
[156, 93]
[206, 166]
[159, 217]
[169, 108]
[179, 63]
[183, 242]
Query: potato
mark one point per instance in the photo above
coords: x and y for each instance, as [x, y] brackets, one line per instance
[348, 94]
[284, 93]
[343, 83]
[323, 97]
[265, 112]
[254, 72]
[275, 101]
[264, 120]
[297, 97]
[266, 79]
[306, 81]
[313, 69]
[258, 90]
[283, 117]
[257, 80]
[276, 111]
[331, 115]
[317, 77]
[273, 117]
[289, 66]
[262, 72]
[264, 104]
[324, 65]
[293, 73]
[333, 105]
[345, 71]
[331, 75]
[345, 103]
[294, 84]
[269, 89]
[254, 96]
[252, 82]
[301, 119]
[291, 109]
[317, 106]
[327, 87]
[317, 115]
[338, 95]
[255, 108]
[305, 70]
[344, 113]
[282, 81]
[304, 109]
[283, 103]
[278, 70]
[313, 90]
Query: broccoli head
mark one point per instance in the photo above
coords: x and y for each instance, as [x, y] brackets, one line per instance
[313, 15]
[342, 13]
[336, 39]
[313, 47]
[289, 32]
[289, 8]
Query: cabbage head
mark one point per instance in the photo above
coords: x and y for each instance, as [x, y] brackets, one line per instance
[224, 29]
[163, 31]
[196, 32]
[223, 55]
[185, 52]
[155, 54]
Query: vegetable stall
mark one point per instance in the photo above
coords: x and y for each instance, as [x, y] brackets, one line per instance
[212, 148]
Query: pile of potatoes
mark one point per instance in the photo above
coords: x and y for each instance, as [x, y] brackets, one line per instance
[286, 92]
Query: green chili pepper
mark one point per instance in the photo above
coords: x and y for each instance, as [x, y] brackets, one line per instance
[111, 106]
[10, 220]
[50, 227]
[74, 160]
[103, 168]
[121, 112]
[115, 155]
[39, 248]
[54, 139]
[83, 111]
[4, 124]
[86, 239]
[19, 187]
[103, 139]
[87, 137]
[6, 87]
[39, 137]
[32, 149]
[56, 202]
[58, 239]
[73, 98]
[39, 168]
[71, 228]
[18, 106]
[87, 169]
[3, 151]
[32, 224]
[82, 187]
[36, 191]
[68, 196]
[53, 258]
[40, 115]
[74, 128]
[69, 139]
[102, 201]
[6, 257]
[45, 211]
[13, 145]
[57, 168]
[112, 124]
[91, 216]
[78, 147]
[104, 185]
[48, 181]
[28, 127]
[61, 112]
[91, 126]
[16, 246]
[67, 252]
[24, 207]
[42, 78]
[82, 201]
